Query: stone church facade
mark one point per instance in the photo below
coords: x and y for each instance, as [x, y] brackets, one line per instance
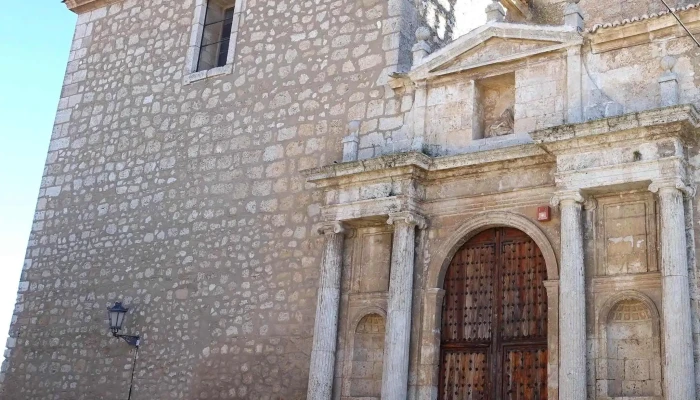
[333, 199]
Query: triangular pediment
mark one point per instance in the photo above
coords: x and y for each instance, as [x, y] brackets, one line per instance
[495, 43]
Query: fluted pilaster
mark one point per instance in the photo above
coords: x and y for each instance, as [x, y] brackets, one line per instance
[398, 334]
[572, 300]
[321, 371]
[679, 368]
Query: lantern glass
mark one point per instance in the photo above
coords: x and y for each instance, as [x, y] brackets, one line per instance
[117, 314]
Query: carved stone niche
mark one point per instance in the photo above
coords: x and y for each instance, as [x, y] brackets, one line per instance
[494, 106]
[365, 380]
[629, 365]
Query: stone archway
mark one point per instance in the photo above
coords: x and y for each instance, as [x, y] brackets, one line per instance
[441, 259]
[433, 294]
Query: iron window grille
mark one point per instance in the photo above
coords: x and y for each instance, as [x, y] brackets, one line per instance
[216, 37]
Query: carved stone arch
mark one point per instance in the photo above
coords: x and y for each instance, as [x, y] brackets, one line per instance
[363, 364]
[433, 293]
[441, 259]
[604, 313]
[365, 312]
[623, 376]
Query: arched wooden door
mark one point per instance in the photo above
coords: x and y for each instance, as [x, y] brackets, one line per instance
[494, 320]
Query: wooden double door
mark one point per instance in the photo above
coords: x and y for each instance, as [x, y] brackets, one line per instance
[494, 320]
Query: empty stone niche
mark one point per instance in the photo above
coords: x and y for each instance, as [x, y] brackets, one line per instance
[631, 367]
[494, 106]
[367, 358]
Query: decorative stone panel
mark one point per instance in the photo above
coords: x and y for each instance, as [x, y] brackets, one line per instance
[626, 227]
[373, 255]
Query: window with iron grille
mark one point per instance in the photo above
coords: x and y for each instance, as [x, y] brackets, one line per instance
[216, 35]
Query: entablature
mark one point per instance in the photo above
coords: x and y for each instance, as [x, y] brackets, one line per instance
[625, 152]
[676, 121]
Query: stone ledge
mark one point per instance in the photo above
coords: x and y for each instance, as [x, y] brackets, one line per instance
[416, 165]
[209, 73]
[83, 6]
[685, 116]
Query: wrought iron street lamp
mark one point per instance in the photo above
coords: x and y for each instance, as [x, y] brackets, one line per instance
[117, 315]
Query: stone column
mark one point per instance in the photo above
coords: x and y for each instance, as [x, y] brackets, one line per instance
[428, 373]
[679, 367]
[572, 300]
[398, 333]
[419, 110]
[322, 367]
[574, 85]
[553, 310]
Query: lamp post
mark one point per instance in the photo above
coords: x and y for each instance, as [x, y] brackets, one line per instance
[117, 315]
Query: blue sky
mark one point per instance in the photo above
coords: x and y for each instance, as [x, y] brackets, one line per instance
[35, 39]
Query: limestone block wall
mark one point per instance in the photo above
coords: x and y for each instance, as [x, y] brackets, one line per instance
[450, 110]
[629, 76]
[540, 95]
[184, 200]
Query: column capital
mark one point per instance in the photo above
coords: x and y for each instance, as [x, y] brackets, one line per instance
[672, 183]
[330, 228]
[408, 218]
[567, 196]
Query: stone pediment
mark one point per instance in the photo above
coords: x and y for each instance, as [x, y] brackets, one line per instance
[495, 43]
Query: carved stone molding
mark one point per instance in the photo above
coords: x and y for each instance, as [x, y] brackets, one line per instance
[409, 218]
[332, 227]
[83, 6]
[672, 183]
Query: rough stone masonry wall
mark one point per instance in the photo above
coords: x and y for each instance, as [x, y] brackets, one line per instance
[185, 202]
[629, 77]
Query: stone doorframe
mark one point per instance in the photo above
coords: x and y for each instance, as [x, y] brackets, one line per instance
[433, 294]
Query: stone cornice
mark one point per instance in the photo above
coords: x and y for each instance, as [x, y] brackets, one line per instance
[679, 121]
[644, 29]
[83, 6]
[421, 167]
